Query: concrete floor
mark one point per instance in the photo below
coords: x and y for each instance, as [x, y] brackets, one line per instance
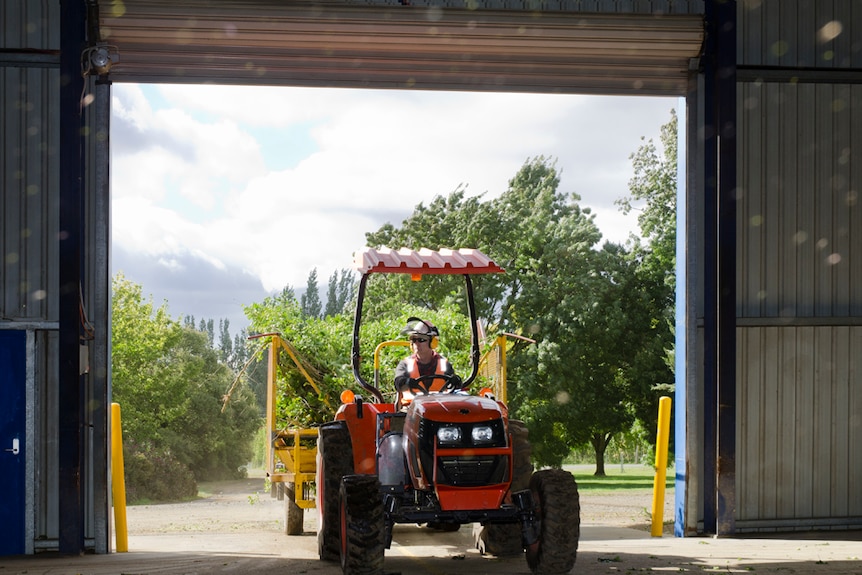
[418, 551]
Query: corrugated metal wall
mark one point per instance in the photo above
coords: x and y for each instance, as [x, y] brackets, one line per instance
[28, 123]
[800, 34]
[800, 425]
[800, 177]
[29, 216]
[799, 282]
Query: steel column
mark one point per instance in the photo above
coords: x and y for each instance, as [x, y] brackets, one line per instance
[725, 87]
[720, 268]
[710, 268]
[101, 305]
[71, 420]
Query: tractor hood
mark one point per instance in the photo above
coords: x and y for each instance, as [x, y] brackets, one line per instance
[454, 407]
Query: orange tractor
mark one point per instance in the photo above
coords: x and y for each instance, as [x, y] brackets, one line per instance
[446, 459]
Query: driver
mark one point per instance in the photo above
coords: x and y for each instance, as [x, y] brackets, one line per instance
[424, 361]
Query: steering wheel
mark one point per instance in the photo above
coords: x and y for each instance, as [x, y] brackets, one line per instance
[421, 384]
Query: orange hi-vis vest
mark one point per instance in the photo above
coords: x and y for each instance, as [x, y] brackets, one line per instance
[413, 369]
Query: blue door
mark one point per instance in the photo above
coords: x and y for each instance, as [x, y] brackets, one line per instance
[13, 363]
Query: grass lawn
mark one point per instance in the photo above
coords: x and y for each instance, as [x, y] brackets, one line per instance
[631, 478]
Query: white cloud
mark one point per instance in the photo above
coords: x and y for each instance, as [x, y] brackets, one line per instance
[190, 181]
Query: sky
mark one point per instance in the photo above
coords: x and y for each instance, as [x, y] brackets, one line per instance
[223, 195]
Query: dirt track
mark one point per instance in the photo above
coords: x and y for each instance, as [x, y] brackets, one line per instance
[237, 528]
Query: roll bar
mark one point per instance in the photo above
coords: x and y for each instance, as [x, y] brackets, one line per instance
[464, 262]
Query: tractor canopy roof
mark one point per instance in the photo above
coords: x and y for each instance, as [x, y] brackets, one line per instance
[424, 261]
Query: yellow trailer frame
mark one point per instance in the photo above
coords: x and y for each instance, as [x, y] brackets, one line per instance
[291, 453]
[492, 364]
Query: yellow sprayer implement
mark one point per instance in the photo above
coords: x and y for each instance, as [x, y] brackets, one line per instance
[290, 452]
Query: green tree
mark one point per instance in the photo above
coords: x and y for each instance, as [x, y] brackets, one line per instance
[604, 373]
[597, 314]
[339, 292]
[142, 336]
[588, 376]
[653, 190]
[321, 349]
[225, 346]
[653, 193]
[323, 345]
[172, 387]
[207, 326]
[213, 435]
[310, 300]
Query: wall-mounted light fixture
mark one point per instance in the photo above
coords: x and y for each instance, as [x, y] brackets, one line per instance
[98, 59]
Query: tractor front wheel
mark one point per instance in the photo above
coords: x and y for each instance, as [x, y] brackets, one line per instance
[334, 461]
[555, 496]
[362, 526]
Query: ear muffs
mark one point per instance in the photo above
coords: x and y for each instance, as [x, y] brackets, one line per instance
[432, 331]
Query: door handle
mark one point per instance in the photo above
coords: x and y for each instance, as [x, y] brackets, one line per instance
[16, 447]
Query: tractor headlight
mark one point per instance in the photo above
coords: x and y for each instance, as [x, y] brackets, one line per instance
[482, 434]
[449, 435]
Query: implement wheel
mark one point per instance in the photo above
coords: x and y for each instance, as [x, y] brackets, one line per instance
[293, 513]
[555, 495]
[334, 461]
[362, 526]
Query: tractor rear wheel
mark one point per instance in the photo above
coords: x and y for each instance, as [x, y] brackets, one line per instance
[293, 513]
[505, 538]
[555, 496]
[362, 526]
[334, 461]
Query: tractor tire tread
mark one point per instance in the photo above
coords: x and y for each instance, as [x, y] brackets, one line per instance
[335, 454]
[555, 492]
[363, 548]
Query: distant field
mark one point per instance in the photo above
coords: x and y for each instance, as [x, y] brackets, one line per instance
[630, 479]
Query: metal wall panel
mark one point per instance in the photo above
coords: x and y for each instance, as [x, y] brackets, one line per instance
[799, 219]
[28, 164]
[29, 25]
[799, 335]
[799, 418]
[800, 33]
[28, 159]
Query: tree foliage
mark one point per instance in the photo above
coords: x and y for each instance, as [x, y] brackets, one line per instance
[599, 315]
[653, 195]
[310, 300]
[596, 316]
[323, 346]
[653, 191]
[171, 385]
[339, 293]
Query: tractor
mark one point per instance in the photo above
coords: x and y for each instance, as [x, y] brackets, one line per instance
[446, 459]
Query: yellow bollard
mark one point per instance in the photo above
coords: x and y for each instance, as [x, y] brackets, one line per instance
[658, 487]
[118, 480]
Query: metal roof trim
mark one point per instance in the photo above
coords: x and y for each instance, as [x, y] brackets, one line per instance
[424, 261]
[383, 44]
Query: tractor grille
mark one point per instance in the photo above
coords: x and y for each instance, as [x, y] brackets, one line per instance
[472, 471]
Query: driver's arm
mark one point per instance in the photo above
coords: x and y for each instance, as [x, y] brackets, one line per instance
[402, 376]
